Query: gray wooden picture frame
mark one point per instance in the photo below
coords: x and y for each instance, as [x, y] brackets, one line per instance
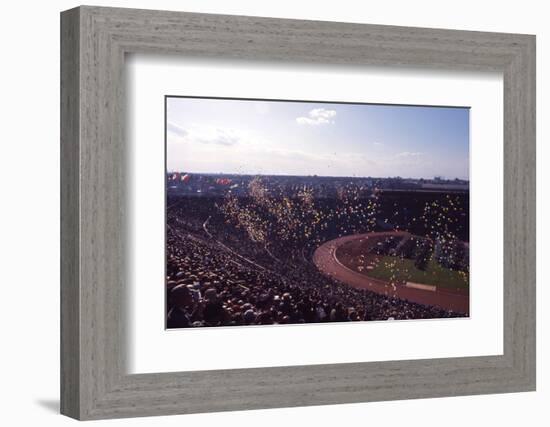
[94, 41]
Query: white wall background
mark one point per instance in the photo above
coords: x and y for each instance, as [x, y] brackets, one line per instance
[29, 224]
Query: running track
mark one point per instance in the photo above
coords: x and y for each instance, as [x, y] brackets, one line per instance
[325, 260]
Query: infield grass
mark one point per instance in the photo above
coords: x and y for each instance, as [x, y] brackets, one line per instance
[404, 270]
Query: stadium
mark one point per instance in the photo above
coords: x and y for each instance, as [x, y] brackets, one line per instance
[263, 250]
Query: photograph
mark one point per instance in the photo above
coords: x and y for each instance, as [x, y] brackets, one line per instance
[318, 212]
[291, 212]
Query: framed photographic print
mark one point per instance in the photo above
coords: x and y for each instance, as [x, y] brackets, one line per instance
[291, 217]
[324, 212]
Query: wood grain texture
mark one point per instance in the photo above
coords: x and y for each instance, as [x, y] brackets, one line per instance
[70, 259]
[94, 231]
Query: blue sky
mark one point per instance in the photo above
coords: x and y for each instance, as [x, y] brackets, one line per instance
[327, 139]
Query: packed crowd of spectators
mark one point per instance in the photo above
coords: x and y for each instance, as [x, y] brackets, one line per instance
[217, 277]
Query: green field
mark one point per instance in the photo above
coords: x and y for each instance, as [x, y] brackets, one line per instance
[405, 271]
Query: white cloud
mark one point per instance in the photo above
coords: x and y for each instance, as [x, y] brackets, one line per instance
[176, 130]
[206, 135]
[408, 154]
[377, 144]
[317, 116]
[226, 137]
